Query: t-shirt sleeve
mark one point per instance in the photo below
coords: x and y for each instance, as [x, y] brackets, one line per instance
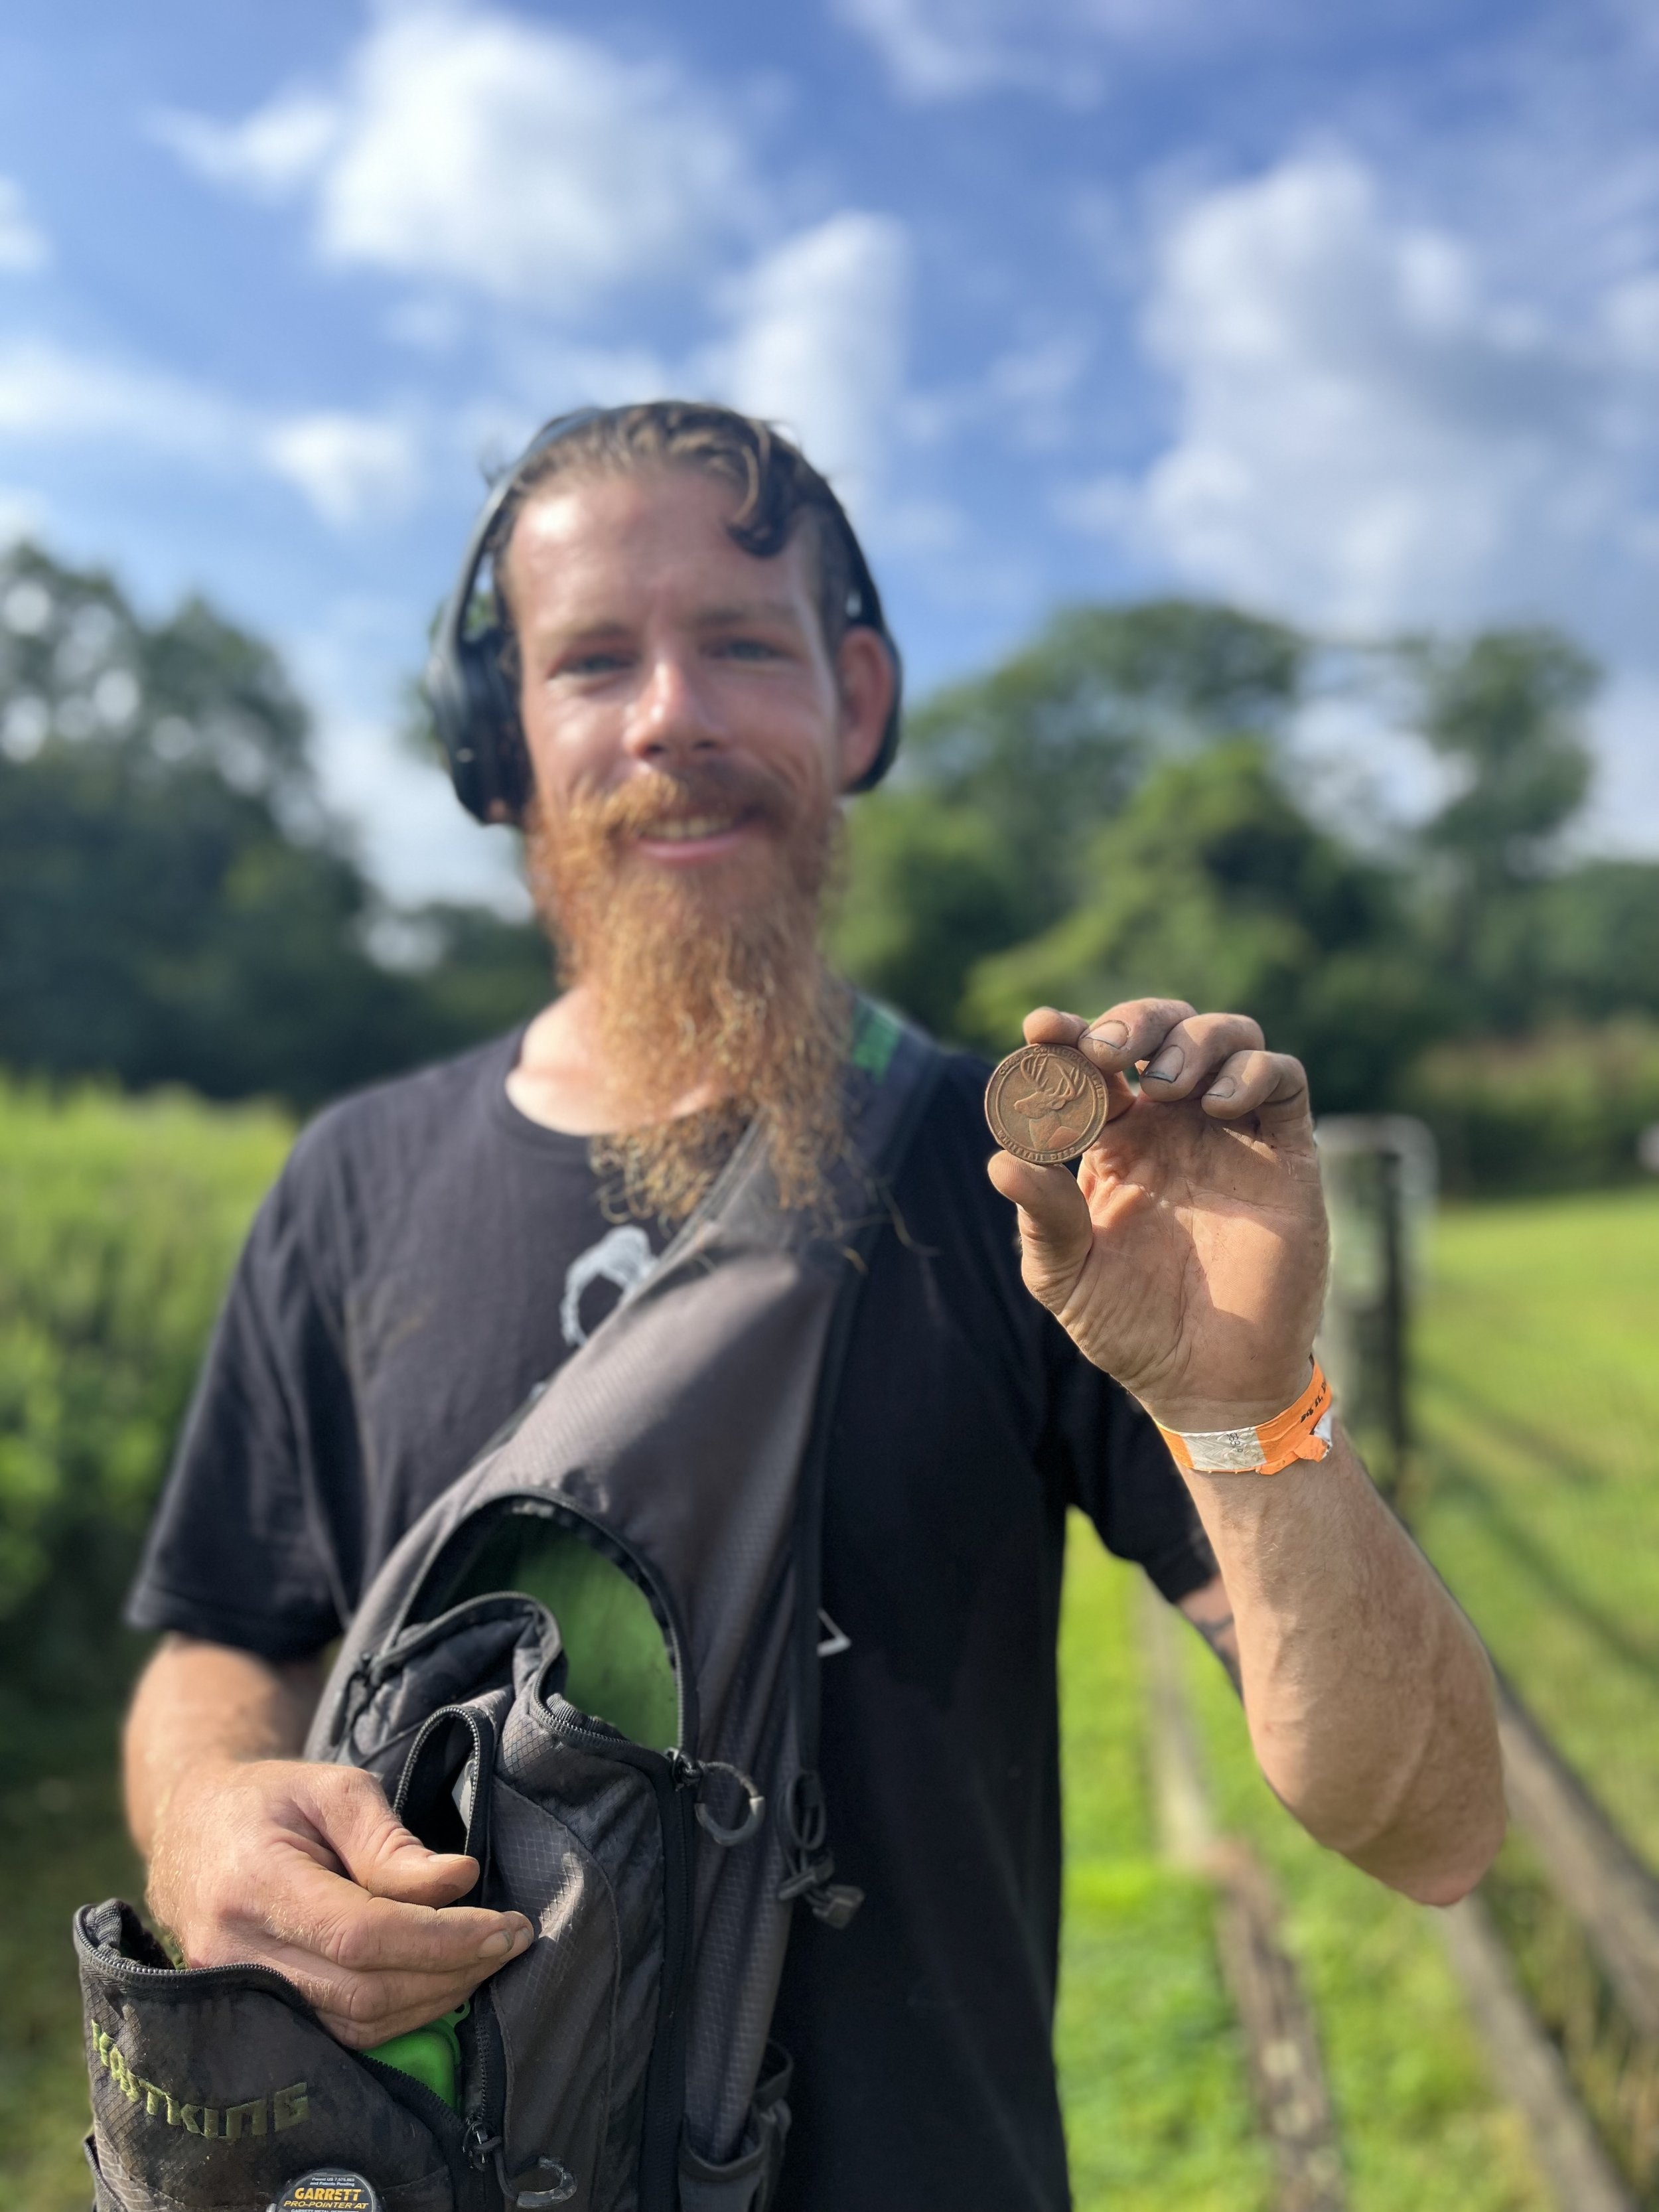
[240, 1552]
[1122, 1477]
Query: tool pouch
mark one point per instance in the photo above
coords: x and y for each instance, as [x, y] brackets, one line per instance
[213, 2086]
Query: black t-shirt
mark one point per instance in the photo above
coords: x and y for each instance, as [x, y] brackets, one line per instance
[427, 1255]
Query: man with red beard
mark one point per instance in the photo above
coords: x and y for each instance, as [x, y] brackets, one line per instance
[694, 700]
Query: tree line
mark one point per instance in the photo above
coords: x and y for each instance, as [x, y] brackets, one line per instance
[1119, 806]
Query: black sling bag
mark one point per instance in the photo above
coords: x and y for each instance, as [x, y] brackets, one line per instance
[622, 2064]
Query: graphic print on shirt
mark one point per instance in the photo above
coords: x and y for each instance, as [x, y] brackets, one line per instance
[622, 1257]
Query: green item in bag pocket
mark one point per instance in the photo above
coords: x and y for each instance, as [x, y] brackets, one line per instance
[430, 2055]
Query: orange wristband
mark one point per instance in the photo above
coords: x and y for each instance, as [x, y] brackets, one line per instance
[1301, 1431]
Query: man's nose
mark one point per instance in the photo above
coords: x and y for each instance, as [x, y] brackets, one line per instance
[671, 719]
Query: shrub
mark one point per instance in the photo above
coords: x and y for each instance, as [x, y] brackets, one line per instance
[1560, 1111]
[119, 1222]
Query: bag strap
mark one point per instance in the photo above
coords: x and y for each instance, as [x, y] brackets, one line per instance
[906, 1067]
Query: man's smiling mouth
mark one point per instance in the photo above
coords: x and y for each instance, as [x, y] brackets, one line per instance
[683, 828]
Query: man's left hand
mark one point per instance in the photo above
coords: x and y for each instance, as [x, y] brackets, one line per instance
[1187, 1256]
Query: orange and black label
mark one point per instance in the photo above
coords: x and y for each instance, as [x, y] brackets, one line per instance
[329, 2189]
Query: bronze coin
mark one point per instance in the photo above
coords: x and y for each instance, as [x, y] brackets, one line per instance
[1046, 1103]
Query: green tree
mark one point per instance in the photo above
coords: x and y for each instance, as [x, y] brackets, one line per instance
[1212, 885]
[1506, 710]
[1598, 938]
[175, 904]
[980, 841]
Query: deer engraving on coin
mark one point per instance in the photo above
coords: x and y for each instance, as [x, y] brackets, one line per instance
[1046, 1103]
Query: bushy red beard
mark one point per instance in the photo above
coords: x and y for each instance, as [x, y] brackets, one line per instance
[702, 981]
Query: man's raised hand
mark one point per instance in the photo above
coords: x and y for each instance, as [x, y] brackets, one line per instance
[1187, 1256]
[305, 1868]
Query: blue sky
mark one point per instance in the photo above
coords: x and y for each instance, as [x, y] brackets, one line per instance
[1349, 314]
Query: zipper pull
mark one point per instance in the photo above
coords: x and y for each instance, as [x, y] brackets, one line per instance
[476, 2145]
[692, 1773]
[753, 1808]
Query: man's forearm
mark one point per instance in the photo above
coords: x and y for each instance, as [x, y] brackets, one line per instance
[1369, 1698]
[197, 1702]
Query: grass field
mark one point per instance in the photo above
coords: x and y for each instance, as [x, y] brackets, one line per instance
[1538, 1360]
[1538, 1411]
[1150, 2065]
[1539, 1401]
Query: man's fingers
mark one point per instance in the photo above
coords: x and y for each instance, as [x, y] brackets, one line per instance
[332, 1920]
[365, 2034]
[1134, 1031]
[1193, 1052]
[364, 2009]
[350, 1812]
[1055, 1231]
[1272, 1085]
[1048, 1025]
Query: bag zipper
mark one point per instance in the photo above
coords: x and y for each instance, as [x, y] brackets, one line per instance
[675, 1779]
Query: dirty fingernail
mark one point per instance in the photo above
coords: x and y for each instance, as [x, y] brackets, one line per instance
[1167, 1066]
[1114, 1034]
[1224, 1088]
[503, 1941]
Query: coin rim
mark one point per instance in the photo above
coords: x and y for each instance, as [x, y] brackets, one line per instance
[1032, 1156]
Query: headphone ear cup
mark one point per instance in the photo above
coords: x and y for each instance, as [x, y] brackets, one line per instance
[500, 742]
[477, 720]
[893, 728]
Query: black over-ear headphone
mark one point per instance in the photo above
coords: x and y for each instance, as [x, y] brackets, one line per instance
[469, 688]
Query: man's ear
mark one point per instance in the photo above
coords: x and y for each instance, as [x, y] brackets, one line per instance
[865, 675]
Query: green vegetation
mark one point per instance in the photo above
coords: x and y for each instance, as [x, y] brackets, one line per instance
[1539, 1406]
[119, 1221]
[1558, 1110]
[1118, 809]
[1422, 2124]
[176, 905]
[62, 1845]
[1150, 2064]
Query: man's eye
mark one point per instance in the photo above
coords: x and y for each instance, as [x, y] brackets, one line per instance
[592, 664]
[747, 648]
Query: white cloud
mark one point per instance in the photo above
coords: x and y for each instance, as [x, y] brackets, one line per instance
[1367, 439]
[352, 468]
[938, 50]
[349, 468]
[270, 154]
[48, 390]
[24, 247]
[818, 344]
[479, 148]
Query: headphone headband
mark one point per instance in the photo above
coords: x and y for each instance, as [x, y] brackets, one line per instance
[466, 684]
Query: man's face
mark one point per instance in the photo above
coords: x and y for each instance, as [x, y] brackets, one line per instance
[653, 647]
[688, 734]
